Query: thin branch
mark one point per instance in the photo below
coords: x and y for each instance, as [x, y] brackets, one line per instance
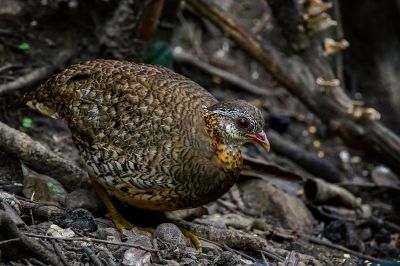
[59, 253]
[95, 240]
[8, 241]
[38, 74]
[96, 261]
[150, 19]
[184, 57]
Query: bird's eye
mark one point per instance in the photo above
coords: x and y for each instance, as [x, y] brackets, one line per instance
[243, 123]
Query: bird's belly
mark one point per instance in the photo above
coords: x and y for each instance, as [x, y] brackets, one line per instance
[174, 198]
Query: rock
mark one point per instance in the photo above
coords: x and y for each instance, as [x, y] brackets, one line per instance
[109, 234]
[227, 258]
[85, 199]
[280, 208]
[55, 230]
[79, 219]
[133, 236]
[137, 237]
[136, 257]
[43, 187]
[383, 176]
[168, 234]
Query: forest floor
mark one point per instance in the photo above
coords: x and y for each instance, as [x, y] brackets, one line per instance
[312, 201]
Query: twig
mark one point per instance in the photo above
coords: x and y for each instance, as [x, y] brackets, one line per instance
[341, 248]
[184, 57]
[252, 166]
[238, 252]
[58, 252]
[8, 241]
[227, 206]
[95, 240]
[272, 255]
[37, 262]
[6, 66]
[96, 261]
[38, 74]
[39, 158]
[149, 19]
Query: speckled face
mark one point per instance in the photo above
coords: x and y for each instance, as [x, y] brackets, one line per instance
[238, 121]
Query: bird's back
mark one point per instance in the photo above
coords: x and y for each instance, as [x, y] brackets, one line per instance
[140, 129]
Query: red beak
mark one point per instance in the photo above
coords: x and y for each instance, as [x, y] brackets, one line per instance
[261, 139]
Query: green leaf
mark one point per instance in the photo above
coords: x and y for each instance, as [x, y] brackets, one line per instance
[160, 53]
[26, 122]
[24, 46]
[55, 187]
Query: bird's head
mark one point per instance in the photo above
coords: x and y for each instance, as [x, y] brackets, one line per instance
[236, 122]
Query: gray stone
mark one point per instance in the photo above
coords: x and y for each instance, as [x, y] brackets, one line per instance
[43, 187]
[281, 209]
[168, 234]
[136, 257]
[85, 199]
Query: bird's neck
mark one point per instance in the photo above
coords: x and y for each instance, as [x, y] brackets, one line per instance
[228, 155]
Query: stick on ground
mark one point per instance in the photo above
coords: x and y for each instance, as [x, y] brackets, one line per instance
[39, 158]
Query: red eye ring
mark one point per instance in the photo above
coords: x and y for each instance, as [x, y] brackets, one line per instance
[243, 123]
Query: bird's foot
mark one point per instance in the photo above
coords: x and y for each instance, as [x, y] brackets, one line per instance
[195, 239]
[119, 221]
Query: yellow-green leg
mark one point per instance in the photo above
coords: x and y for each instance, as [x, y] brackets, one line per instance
[121, 223]
[195, 240]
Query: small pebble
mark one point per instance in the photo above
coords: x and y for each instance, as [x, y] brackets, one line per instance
[171, 234]
[136, 257]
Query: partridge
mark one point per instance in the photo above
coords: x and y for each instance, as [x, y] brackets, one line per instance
[149, 136]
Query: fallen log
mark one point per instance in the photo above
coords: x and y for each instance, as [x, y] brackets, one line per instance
[306, 73]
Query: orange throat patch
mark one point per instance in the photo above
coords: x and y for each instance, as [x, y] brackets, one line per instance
[231, 158]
